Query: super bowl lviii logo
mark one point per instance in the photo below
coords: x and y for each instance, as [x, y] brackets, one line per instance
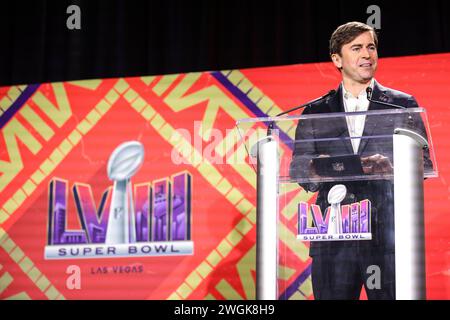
[146, 219]
[341, 222]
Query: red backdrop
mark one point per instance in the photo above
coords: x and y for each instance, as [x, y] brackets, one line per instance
[68, 130]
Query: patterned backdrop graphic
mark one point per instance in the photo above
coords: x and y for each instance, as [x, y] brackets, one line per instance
[186, 123]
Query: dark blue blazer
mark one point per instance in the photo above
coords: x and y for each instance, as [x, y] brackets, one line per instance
[379, 192]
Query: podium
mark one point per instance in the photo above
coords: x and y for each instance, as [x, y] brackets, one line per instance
[340, 181]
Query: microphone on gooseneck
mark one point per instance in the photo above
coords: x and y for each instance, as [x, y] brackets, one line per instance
[308, 104]
[369, 91]
[410, 122]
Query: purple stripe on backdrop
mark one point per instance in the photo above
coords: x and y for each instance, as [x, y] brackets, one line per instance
[242, 97]
[297, 282]
[11, 111]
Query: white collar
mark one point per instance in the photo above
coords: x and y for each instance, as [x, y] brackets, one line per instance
[347, 94]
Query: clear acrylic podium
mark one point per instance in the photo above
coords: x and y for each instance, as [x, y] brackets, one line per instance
[328, 185]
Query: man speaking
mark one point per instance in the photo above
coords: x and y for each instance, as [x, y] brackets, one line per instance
[339, 268]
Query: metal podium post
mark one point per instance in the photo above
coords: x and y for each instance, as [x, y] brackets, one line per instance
[266, 152]
[409, 215]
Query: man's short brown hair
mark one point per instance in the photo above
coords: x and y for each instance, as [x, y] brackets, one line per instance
[346, 33]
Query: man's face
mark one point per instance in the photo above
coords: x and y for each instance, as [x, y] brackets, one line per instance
[358, 59]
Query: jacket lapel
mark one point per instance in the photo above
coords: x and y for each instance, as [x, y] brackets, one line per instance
[336, 104]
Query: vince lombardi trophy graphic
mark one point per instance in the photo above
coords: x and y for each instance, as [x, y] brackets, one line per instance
[123, 163]
[335, 197]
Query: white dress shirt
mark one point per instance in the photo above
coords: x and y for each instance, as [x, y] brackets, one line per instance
[355, 124]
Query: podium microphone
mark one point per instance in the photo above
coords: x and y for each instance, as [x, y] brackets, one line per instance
[410, 122]
[308, 104]
[369, 97]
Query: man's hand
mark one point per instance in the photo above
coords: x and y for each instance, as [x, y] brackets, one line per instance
[312, 169]
[377, 164]
[314, 186]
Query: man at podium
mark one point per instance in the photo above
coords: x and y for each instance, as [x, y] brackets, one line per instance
[339, 268]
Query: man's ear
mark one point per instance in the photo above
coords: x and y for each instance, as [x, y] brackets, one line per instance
[337, 60]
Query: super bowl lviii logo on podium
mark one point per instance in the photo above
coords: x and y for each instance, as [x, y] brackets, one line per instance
[340, 222]
[147, 219]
